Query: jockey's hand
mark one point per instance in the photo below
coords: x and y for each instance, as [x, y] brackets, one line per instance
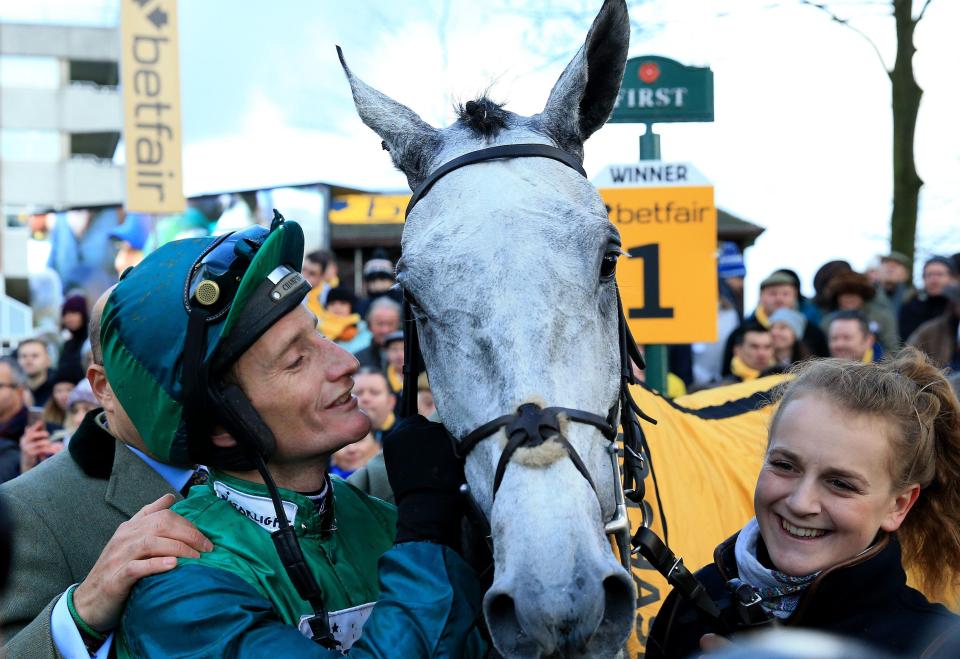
[148, 543]
[425, 475]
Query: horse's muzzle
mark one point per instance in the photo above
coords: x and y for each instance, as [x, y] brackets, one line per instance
[591, 617]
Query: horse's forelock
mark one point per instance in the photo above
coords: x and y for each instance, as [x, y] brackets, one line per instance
[484, 117]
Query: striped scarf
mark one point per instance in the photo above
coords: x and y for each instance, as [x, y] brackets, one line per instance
[780, 592]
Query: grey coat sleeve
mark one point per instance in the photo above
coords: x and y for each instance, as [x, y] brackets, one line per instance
[36, 639]
[372, 479]
[39, 571]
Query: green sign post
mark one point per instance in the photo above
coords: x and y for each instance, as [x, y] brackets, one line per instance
[659, 89]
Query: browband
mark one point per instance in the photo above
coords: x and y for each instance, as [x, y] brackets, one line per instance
[492, 153]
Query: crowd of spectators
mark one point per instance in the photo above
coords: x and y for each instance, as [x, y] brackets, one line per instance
[43, 392]
[858, 316]
[852, 315]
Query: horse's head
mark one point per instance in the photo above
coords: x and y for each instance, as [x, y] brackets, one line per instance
[509, 266]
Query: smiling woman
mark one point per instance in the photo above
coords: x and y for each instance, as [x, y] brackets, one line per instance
[861, 480]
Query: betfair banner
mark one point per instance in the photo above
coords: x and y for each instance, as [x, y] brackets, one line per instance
[368, 209]
[151, 99]
[668, 224]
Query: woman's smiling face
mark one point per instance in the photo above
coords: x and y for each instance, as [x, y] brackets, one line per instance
[825, 488]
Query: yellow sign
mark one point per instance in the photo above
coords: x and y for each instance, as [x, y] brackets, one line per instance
[668, 224]
[151, 99]
[368, 209]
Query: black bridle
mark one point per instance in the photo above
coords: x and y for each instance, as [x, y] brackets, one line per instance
[532, 425]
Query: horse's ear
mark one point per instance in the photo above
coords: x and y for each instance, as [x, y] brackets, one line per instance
[584, 96]
[409, 139]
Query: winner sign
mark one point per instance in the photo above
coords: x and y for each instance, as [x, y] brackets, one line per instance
[668, 224]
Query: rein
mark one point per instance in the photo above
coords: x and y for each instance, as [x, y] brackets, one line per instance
[532, 425]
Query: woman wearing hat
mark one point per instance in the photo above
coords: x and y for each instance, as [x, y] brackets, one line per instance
[786, 328]
[74, 320]
[852, 291]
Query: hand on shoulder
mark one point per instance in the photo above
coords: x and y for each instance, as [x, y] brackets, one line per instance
[148, 543]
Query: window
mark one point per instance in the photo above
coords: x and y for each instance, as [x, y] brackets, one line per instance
[28, 72]
[30, 145]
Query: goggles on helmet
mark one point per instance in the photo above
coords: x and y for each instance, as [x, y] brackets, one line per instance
[216, 276]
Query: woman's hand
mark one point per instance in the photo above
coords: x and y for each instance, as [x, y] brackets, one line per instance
[35, 445]
[712, 642]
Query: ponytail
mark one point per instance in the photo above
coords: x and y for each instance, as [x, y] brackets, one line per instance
[930, 533]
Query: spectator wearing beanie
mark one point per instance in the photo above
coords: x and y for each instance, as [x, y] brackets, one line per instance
[74, 320]
[79, 403]
[378, 278]
[340, 324]
[786, 328]
[778, 291]
[730, 271]
[852, 291]
[930, 302]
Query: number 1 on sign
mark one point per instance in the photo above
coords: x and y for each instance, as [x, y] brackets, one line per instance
[651, 283]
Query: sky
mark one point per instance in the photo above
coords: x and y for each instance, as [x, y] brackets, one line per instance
[800, 144]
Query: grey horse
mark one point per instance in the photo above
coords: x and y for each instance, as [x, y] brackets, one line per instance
[509, 266]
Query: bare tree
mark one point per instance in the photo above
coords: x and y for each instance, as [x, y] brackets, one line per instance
[557, 27]
[905, 102]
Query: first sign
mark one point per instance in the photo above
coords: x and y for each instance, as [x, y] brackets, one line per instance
[659, 89]
[151, 99]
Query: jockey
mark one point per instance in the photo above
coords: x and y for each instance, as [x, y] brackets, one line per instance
[217, 362]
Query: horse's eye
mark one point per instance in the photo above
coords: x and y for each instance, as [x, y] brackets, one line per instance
[409, 299]
[608, 267]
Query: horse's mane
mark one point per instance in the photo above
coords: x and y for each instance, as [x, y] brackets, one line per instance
[483, 116]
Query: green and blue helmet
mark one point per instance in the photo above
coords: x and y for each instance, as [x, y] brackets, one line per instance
[175, 324]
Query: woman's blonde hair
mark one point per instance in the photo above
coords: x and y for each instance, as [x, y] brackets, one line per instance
[913, 395]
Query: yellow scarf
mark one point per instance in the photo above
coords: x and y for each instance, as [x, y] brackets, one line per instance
[762, 317]
[388, 424]
[742, 371]
[337, 328]
[868, 356]
[395, 379]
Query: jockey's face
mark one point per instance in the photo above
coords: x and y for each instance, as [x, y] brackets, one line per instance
[301, 385]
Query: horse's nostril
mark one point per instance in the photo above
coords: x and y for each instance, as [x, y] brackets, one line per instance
[618, 599]
[508, 634]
